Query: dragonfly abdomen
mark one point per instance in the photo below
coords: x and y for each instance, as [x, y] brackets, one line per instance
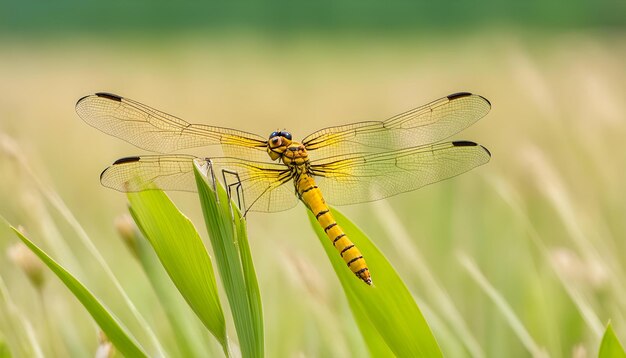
[312, 197]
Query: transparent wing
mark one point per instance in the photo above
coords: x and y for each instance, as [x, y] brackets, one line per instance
[358, 178]
[264, 185]
[153, 130]
[423, 125]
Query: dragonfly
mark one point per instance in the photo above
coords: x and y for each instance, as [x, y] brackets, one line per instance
[340, 165]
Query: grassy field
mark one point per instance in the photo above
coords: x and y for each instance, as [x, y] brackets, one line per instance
[523, 256]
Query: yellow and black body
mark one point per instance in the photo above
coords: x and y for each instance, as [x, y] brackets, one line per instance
[281, 147]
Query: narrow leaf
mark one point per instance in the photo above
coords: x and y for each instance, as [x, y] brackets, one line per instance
[610, 347]
[183, 255]
[228, 235]
[4, 349]
[387, 306]
[115, 331]
[187, 329]
[21, 335]
[252, 284]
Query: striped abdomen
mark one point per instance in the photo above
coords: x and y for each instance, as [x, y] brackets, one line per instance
[312, 198]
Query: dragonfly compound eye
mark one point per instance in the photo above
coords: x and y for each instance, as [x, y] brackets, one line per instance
[276, 141]
[286, 134]
[274, 134]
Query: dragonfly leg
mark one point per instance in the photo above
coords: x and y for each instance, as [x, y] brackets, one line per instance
[211, 173]
[238, 190]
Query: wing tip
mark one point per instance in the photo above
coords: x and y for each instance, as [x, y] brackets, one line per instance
[458, 95]
[82, 99]
[102, 174]
[467, 143]
[485, 99]
[486, 150]
[124, 160]
[106, 95]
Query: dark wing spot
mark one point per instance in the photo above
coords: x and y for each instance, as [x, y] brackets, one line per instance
[458, 95]
[126, 160]
[110, 96]
[464, 143]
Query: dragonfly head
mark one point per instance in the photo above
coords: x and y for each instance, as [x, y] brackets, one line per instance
[278, 143]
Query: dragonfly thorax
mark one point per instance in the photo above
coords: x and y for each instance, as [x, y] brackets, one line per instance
[295, 155]
[281, 147]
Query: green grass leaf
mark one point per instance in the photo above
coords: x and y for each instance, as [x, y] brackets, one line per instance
[183, 255]
[386, 311]
[610, 346]
[4, 349]
[230, 244]
[187, 329]
[115, 331]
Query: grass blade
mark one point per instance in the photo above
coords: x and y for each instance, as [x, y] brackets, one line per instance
[115, 331]
[187, 329]
[234, 262]
[59, 204]
[183, 255]
[21, 338]
[500, 302]
[405, 246]
[610, 346]
[4, 349]
[388, 307]
[252, 284]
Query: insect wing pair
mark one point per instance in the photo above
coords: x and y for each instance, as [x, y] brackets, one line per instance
[353, 163]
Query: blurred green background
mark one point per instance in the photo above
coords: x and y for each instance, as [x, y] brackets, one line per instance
[544, 221]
